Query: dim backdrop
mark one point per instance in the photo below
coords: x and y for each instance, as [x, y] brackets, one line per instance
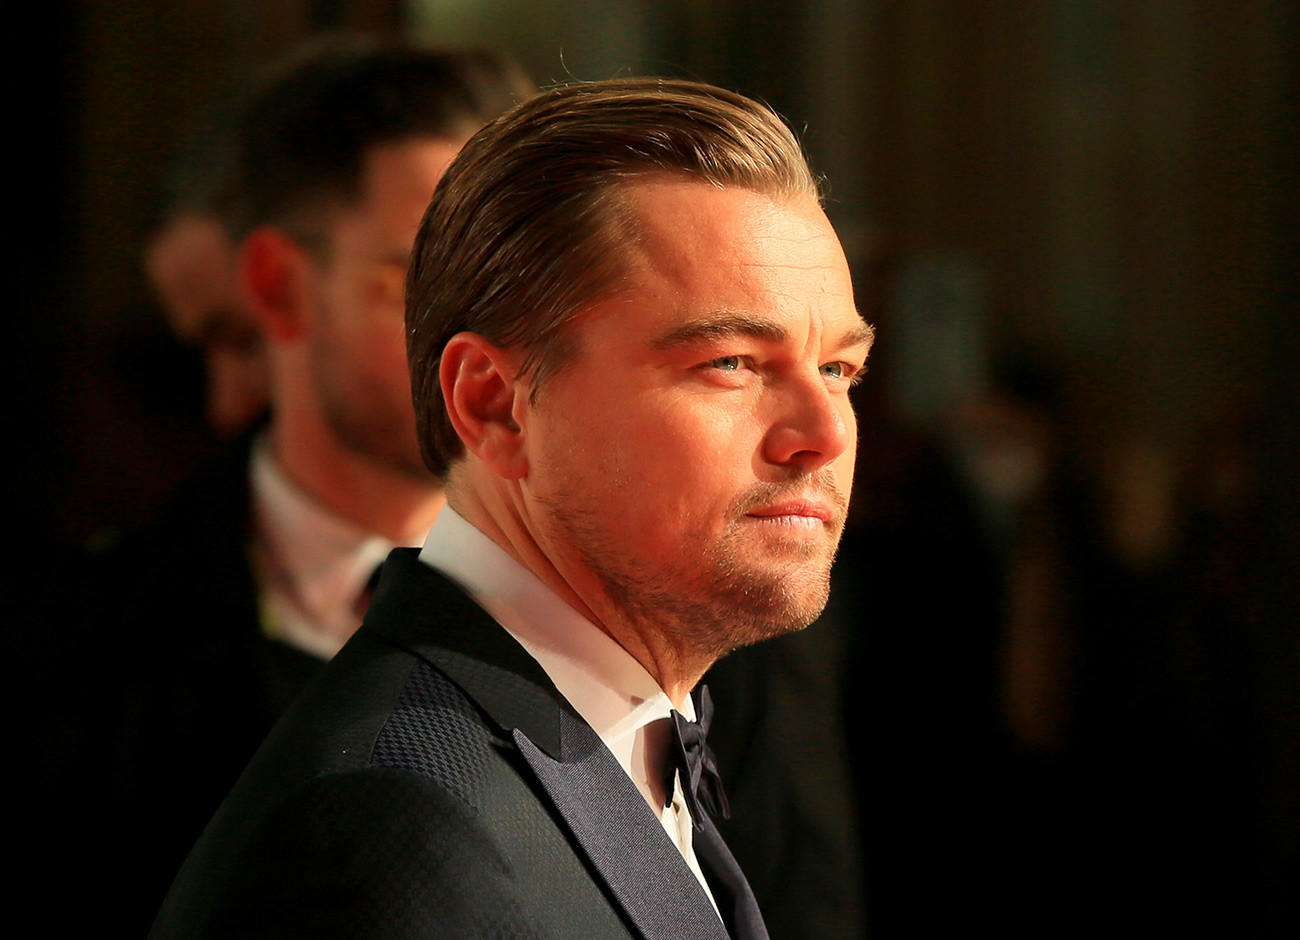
[1074, 222]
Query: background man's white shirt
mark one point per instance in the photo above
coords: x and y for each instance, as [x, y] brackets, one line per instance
[312, 566]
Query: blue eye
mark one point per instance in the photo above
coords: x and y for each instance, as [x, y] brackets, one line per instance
[728, 363]
[842, 370]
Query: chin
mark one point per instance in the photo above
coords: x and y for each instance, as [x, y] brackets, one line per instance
[764, 608]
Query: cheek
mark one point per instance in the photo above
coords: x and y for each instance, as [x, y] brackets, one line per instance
[844, 468]
[660, 461]
[380, 343]
[695, 466]
[845, 464]
[392, 346]
[850, 419]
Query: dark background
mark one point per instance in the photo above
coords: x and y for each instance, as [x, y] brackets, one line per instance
[1075, 225]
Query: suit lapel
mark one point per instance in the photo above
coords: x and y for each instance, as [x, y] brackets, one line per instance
[609, 819]
[420, 610]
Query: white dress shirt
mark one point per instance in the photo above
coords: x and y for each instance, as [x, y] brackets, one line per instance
[312, 566]
[602, 681]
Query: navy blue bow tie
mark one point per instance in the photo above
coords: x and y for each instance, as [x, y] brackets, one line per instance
[702, 784]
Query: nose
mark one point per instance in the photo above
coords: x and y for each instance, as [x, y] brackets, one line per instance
[812, 426]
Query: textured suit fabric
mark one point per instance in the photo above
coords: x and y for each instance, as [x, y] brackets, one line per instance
[433, 783]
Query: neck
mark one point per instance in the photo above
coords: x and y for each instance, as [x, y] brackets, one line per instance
[502, 516]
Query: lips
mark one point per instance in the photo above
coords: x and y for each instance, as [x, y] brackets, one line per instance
[812, 502]
[795, 509]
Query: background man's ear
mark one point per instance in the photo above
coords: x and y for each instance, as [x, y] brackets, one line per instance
[273, 271]
[480, 388]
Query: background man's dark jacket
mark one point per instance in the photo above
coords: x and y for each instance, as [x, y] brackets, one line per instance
[175, 686]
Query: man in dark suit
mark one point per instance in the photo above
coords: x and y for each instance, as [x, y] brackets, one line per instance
[198, 630]
[631, 334]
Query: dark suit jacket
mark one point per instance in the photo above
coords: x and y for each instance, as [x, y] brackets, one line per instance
[174, 687]
[433, 783]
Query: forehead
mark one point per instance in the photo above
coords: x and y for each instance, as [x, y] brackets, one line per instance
[699, 249]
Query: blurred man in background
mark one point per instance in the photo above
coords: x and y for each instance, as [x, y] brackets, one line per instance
[191, 265]
[202, 627]
[190, 261]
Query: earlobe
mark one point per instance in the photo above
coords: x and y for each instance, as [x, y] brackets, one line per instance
[482, 397]
[273, 279]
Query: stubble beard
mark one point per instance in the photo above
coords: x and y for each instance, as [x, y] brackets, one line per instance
[718, 595]
[365, 423]
[379, 442]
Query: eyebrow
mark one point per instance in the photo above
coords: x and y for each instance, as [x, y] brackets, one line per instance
[720, 326]
[724, 325]
[864, 335]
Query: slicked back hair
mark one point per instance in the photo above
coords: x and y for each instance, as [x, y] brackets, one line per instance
[307, 127]
[527, 228]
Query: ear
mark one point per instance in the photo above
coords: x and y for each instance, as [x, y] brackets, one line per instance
[273, 272]
[483, 400]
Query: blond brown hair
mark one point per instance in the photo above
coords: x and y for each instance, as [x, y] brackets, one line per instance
[526, 228]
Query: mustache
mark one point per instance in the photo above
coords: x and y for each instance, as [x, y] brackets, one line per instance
[819, 487]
